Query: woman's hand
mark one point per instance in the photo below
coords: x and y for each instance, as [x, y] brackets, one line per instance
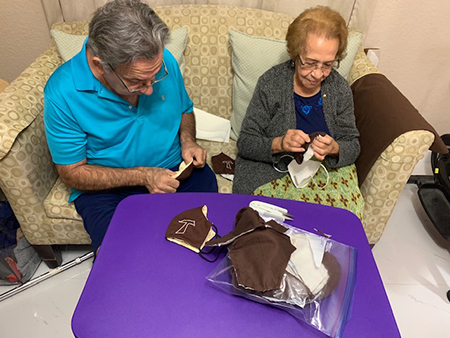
[323, 146]
[292, 141]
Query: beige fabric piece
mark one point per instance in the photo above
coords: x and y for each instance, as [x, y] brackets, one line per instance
[303, 267]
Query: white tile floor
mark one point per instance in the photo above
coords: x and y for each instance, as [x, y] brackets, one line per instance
[414, 263]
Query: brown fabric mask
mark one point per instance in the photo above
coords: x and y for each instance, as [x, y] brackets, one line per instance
[191, 229]
[223, 164]
[299, 156]
[295, 292]
[259, 251]
[184, 171]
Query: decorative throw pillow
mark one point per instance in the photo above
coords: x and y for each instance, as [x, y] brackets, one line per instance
[69, 45]
[254, 55]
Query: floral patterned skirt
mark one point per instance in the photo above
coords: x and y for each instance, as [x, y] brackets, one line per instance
[342, 190]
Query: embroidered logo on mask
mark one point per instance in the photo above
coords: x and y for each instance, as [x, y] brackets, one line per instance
[223, 164]
[186, 223]
[228, 164]
[191, 229]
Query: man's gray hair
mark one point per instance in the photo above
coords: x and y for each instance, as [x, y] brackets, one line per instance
[123, 31]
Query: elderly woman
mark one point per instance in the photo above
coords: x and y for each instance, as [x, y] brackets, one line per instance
[293, 100]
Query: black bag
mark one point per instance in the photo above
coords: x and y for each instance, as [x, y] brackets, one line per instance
[18, 259]
[435, 195]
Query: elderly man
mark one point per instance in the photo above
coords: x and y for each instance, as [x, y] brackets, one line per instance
[118, 118]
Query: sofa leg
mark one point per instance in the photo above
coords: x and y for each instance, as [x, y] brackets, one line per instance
[51, 257]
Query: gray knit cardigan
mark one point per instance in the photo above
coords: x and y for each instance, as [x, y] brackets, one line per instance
[271, 113]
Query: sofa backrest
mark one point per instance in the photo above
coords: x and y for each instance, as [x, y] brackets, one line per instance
[208, 76]
[208, 73]
[358, 13]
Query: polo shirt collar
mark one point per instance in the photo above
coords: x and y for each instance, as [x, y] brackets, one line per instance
[85, 80]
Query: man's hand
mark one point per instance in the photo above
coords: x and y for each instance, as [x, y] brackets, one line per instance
[324, 146]
[191, 151]
[292, 141]
[160, 180]
[89, 177]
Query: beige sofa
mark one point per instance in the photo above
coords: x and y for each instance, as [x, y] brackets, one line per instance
[39, 198]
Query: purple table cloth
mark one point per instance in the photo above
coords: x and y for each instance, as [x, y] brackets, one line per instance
[142, 285]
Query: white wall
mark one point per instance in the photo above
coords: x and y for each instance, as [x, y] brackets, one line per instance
[23, 35]
[414, 37]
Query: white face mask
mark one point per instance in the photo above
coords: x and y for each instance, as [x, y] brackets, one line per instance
[302, 174]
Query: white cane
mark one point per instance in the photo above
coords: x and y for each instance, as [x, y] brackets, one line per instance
[45, 276]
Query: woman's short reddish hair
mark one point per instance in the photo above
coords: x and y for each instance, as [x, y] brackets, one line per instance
[321, 21]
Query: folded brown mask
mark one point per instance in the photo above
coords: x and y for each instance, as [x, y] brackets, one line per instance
[191, 229]
[184, 171]
[245, 222]
[259, 251]
[223, 164]
[299, 156]
[294, 291]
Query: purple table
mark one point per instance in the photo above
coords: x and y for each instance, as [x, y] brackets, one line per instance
[142, 285]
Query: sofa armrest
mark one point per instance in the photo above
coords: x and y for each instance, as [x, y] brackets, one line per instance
[23, 100]
[393, 138]
[382, 114]
[27, 172]
[387, 178]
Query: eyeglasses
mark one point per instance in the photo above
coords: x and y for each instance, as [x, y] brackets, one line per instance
[158, 78]
[324, 67]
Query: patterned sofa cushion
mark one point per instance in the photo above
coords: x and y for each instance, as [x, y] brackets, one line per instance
[56, 204]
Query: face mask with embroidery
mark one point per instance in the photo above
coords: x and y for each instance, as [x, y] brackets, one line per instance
[223, 165]
[192, 229]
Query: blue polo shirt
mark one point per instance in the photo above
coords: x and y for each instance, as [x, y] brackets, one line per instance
[85, 120]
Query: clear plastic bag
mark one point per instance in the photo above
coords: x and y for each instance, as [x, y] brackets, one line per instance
[327, 309]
